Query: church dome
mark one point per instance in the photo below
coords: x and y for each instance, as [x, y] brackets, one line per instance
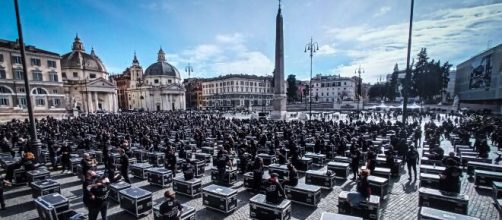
[161, 67]
[78, 59]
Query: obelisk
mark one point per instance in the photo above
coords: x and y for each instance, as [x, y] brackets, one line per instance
[279, 98]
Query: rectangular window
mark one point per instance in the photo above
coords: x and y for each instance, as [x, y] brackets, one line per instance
[53, 77]
[92, 75]
[16, 59]
[2, 74]
[37, 76]
[55, 91]
[75, 74]
[51, 63]
[4, 101]
[1, 58]
[64, 75]
[40, 101]
[35, 62]
[56, 102]
[21, 90]
[22, 101]
[18, 74]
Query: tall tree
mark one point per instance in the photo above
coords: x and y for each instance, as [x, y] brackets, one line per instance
[429, 78]
[292, 88]
[377, 91]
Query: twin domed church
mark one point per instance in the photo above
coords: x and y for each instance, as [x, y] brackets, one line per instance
[90, 88]
[158, 88]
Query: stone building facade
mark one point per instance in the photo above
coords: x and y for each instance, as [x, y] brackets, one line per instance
[44, 75]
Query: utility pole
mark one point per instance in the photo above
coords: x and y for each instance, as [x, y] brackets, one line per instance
[311, 47]
[35, 143]
[408, 69]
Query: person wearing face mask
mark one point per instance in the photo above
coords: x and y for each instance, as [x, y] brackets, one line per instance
[171, 208]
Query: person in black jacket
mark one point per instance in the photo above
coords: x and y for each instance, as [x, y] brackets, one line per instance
[363, 190]
[97, 196]
[257, 174]
[354, 164]
[274, 191]
[188, 170]
[450, 177]
[371, 162]
[124, 165]
[411, 161]
[27, 161]
[65, 158]
[2, 200]
[222, 160]
[170, 162]
[170, 209]
[292, 179]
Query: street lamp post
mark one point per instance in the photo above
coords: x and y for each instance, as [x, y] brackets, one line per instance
[408, 69]
[35, 143]
[359, 86]
[311, 47]
[189, 70]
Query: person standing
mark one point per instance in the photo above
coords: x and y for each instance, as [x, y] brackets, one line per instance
[188, 169]
[98, 197]
[65, 158]
[124, 165]
[354, 164]
[411, 161]
[257, 174]
[363, 190]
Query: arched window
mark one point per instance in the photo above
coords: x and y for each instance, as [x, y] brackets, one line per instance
[39, 91]
[4, 89]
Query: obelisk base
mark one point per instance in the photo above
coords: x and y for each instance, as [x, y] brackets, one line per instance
[278, 107]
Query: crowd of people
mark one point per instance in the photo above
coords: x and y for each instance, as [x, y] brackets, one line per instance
[174, 132]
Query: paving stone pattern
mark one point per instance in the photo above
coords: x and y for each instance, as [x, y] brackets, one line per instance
[402, 203]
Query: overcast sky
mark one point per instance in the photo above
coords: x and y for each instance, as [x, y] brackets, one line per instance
[237, 36]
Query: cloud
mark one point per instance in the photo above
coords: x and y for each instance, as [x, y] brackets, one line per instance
[326, 50]
[448, 35]
[226, 54]
[382, 11]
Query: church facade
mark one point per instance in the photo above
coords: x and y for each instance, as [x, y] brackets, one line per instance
[86, 82]
[158, 88]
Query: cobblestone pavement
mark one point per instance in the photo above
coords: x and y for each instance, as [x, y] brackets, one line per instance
[402, 203]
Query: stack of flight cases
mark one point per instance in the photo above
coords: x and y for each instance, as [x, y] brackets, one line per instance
[159, 176]
[52, 206]
[341, 169]
[379, 186]
[485, 178]
[199, 167]
[136, 201]
[156, 159]
[141, 155]
[428, 180]
[37, 174]
[452, 202]
[368, 209]
[44, 187]
[115, 188]
[74, 162]
[187, 213]
[189, 188]
[280, 169]
[259, 208]
[249, 180]
[317, 159]
[320, 178]
[206, 158]
[427, 213]
[229, 178]
[267, 159]
[138, 170]
[304, 194]
[303, 164]
[219, 198]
